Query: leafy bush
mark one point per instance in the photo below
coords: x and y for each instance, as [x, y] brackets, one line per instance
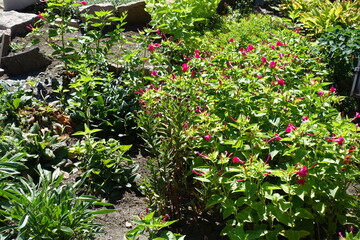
[48, 210]
[257, 128]
[317, 16]
[150, 226]
[180, 18]
[109, 169]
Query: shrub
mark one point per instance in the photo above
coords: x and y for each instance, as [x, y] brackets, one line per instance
[257, 128]
[179, 18]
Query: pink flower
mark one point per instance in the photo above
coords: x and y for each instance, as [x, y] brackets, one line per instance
[166, 217]
[320, 93]
[357, 115]
[202, 155]
[229, 64]
[154, 73]
[81, 2]
[332, 89]
[297, 30]
[272, 64]
[281, 82]
[197, 173]
[263, 60]
[237, 160]
[153, 46]
[290, 128]
[304, 118]
[40, 16]
[197, 53]
[339, 140]
[301, 181]
[207, 138]
[231, 40]
[30, 27]
[276, 137]
[250, 48]
[158, 31]
[278, 43]
[303, 172]
[281, 54]
[184, 67]
[272, 47]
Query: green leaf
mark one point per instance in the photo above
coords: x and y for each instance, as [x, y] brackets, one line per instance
[67, 230]
[16, 103]
[23, 221]
[295, 234]
[104, 211]
[213, 200]
[303, 213]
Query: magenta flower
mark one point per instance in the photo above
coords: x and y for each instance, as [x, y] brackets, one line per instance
[357, 115]
[197, 53]
[272, 47]
[184, 67]
[278, 43]
[303, 172]
[263, 60]
[154, 73]
[40, 16]
[30, 27]
[237, 160]
[339, 140]
[231, 40]
[332, 89]
[81, 2]
[301, 181]
[290, 128]
[276, 137]
[207, 138]
[281, 82]
[153, 46]
[281, 54]
[197, 173]
[158, 31]
[304, 118]
[272, 64]
[250, 48]
[297, 30]
[320, 93]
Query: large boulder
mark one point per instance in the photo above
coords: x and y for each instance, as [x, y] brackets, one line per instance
[17, 4]
[17, 22]
[136, 14]
[25, 62]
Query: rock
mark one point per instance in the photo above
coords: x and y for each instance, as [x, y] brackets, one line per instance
[136, 14]
[72, 23]
[25, 62]
[16, 22]
[91, 9]
[5, 44]
[128, 225]
[17, 4]
[2, 72]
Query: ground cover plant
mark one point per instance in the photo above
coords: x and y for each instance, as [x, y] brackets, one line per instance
[240, 124]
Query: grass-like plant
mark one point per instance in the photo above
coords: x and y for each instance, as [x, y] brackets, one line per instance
[48, 210]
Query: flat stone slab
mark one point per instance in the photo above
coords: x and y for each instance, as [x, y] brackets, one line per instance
[136, 14]
[16, 21]
[25, 62]
[16, 4]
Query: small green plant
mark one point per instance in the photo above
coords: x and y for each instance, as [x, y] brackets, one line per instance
[180, 18]
[48, 210]
[317, 16]
[109, 169]
[150, 227]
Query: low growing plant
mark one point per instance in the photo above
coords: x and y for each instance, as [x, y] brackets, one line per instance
[48, 210]
[108, 168]
[150, 226]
